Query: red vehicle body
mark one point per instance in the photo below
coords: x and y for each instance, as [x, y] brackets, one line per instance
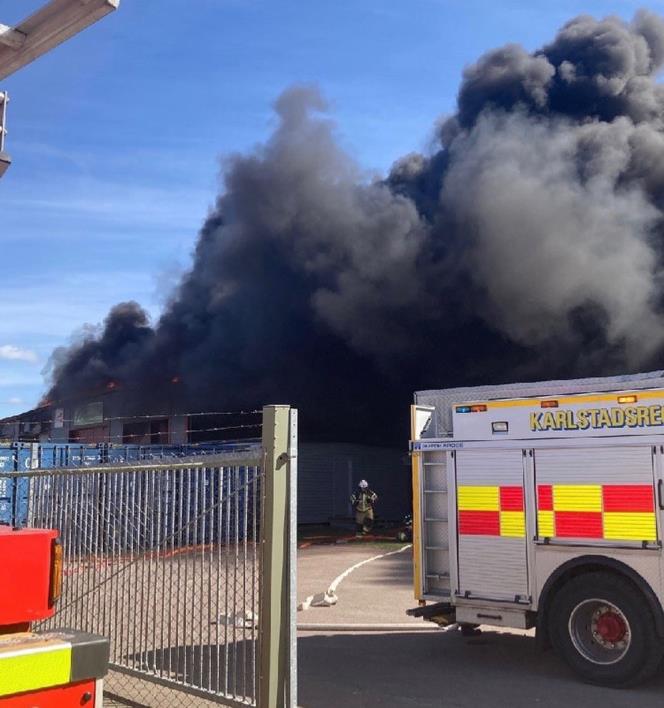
[55, 669]
[28, 562]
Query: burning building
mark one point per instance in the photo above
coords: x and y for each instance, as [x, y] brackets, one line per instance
[527, 244]
[327, 472]
[95, 418]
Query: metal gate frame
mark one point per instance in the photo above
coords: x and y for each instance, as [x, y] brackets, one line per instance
[277, 682]
[275, 669]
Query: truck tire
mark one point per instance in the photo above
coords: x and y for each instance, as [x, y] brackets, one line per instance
[601, 625]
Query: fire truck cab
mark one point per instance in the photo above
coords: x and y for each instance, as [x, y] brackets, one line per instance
[541, 505]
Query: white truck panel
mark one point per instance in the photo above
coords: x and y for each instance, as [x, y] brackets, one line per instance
[493, 568]
[580, 416]
[598, 464]
[496, 616]
[489, 467]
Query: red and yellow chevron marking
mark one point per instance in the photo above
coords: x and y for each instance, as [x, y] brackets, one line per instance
[616, 512]
[491, 511]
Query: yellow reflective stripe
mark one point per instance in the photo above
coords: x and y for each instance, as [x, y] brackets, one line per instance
[32, 669]
[577, 497]
[513, 523]
[478, 499]
[545, 526]
[630, 526]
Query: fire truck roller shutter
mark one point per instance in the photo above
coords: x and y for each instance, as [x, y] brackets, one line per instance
[603, 494]
[491, 524]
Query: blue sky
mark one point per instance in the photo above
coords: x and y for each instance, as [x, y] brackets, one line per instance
[116, 136]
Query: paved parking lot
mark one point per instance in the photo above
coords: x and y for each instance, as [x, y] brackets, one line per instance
[419, 667]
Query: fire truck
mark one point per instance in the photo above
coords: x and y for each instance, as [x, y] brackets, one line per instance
[542, 505]
[50, 669]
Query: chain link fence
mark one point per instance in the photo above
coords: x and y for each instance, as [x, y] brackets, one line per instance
[168, 561]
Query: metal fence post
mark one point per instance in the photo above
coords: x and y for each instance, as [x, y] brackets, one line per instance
[276, 614]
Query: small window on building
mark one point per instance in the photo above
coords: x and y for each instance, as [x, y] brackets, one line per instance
[89, 436]
[149, 432]
[159, 431]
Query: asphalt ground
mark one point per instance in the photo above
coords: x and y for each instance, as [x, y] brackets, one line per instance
[419, 667]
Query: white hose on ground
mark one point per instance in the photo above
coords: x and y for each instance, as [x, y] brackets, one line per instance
[329, 597]
[337, 581]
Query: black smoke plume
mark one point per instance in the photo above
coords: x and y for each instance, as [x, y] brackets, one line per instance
[528, 245]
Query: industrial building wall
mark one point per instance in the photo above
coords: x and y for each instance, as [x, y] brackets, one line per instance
[329, 472]
[113, 428]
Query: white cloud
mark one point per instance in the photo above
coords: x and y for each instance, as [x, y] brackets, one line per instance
[14, 353]
[15, 400]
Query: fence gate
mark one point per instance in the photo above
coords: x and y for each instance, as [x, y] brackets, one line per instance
[187, 566]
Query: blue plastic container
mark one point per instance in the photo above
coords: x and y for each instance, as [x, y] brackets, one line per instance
[7, 484]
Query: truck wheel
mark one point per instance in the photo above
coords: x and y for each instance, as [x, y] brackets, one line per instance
[602, 627]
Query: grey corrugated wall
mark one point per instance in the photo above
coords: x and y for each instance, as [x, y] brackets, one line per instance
[328, 473]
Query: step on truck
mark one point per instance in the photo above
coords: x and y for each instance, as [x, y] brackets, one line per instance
[542, 505]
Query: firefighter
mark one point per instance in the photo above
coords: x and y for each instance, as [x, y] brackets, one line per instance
[363, 502]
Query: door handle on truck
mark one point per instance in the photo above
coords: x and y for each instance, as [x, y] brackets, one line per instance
[660, 501]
